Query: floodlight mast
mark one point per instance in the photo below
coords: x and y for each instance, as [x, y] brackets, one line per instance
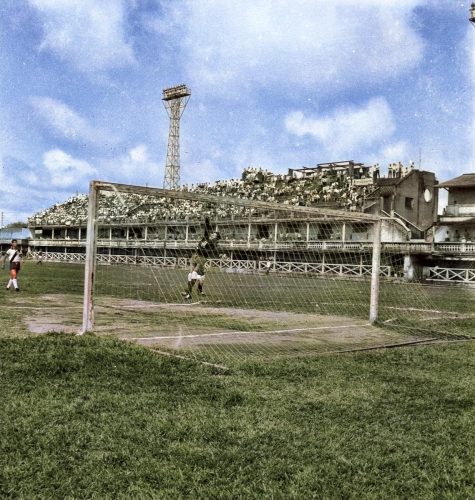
[175, 100]
[471, 17]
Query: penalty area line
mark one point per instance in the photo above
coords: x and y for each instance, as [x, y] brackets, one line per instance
[238, 332]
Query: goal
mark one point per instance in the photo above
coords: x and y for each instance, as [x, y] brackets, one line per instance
[216, 275]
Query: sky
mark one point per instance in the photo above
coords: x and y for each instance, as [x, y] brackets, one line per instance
[276, 84]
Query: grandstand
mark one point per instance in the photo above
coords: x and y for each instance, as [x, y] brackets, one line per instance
[132, 221]
[321, 186]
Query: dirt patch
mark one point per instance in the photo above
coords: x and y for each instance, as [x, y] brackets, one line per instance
[39, 326]
[203, 308]
[283, 331]
[59, 313]
[202, 326]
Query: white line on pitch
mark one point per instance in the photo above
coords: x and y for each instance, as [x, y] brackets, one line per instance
[150, 305]
[416, 309]
[246, 332]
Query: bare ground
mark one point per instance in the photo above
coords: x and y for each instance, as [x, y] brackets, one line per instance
[191, 326]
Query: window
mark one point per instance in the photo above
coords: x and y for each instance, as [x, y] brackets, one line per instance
[103, 233]
[409, 203]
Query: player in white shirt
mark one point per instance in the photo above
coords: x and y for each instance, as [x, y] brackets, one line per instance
[14, 258]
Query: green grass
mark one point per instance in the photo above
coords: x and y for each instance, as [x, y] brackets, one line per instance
[89, 417]
[404, 307]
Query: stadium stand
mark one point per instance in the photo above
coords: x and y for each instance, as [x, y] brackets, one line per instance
[334, 185]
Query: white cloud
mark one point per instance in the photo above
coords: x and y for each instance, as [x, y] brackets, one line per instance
[346, 130]
[66, 171]
[397, 151]
[139, 154]
[65, 122]
[470, 39]
[26, 188]
[133, 167]
[310, 44]
[88, 34]
[206, 170]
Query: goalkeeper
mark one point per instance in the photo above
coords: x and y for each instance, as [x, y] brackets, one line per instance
[196, 274]
[206, 249]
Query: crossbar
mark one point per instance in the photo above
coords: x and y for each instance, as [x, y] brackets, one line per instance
[226, 200]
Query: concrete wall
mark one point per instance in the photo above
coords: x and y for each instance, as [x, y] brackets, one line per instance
[460, 196]
[423, 213]
[459, 232]
[391, 232]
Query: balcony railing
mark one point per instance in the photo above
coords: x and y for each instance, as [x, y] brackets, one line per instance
[451, 248]
[462, 210]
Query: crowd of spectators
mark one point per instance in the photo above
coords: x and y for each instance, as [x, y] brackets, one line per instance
[329, 186]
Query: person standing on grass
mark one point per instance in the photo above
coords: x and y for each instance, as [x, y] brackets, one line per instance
[14, 258]
[207, 248]
[269, 265]
[196, 274]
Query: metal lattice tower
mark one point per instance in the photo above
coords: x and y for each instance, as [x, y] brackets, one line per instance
[175, 100]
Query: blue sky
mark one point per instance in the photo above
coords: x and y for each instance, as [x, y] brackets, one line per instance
[275, 83]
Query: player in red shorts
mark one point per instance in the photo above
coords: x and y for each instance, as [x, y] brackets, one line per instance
[14, 258]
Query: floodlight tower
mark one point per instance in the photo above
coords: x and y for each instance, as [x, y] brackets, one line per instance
[175, 100]
[471, 17]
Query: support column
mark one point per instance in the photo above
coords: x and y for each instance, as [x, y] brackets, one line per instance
[412, 268]
[90, 265]
[374, 301]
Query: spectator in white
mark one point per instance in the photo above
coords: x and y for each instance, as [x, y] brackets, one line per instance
[14, 258]
[269, 265]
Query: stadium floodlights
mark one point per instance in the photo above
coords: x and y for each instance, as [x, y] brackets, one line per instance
[279, 280]
[175, 92]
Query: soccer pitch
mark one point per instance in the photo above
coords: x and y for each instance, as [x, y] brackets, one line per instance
[94, 417]
[242, 314]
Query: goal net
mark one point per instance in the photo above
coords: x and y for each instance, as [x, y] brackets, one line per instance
[217, 278]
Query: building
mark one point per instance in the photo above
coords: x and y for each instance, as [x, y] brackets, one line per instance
[407, 199]
[21, 234]
[457, 223]
[453, 258]
[411, 198]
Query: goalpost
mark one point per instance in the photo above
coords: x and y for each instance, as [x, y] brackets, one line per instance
[268, 278]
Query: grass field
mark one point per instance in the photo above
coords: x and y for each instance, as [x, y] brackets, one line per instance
[92, 417]
[407, 308]
[95, 417]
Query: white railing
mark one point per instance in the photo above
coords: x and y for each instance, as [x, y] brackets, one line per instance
[338, 245]
[447, 274]
[237, 265]
[402, 246]
[455, 247]
[58, 257]
[409, 247]
[225, 264]
[460, 210]
[324, 268]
